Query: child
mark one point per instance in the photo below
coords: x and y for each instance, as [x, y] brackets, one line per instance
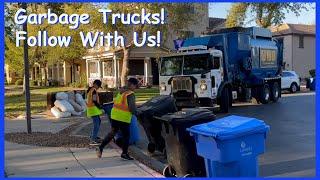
[121, 114]
[94, 110]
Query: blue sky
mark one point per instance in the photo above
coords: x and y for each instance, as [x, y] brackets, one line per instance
[307, 17]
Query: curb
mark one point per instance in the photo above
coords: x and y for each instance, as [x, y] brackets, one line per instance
[146, 160]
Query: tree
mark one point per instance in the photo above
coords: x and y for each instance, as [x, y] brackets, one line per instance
[49, 55]
[264, 14]
[179, 17]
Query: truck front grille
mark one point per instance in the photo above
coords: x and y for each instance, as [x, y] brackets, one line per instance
[181, 84]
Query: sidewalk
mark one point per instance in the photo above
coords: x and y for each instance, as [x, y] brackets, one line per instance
[34, 161]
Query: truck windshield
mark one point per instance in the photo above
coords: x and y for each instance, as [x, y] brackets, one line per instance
[197, 64]
[171, 66]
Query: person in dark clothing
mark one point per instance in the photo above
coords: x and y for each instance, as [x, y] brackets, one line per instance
[123, 109]
[94, 111]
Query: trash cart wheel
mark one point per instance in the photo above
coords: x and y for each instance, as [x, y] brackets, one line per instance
[168, 171]
[151, 147]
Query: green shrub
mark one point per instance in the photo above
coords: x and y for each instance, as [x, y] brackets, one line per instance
[19, 82]
[33, 82]
[80, 83]
[312, 73]
[54, 83]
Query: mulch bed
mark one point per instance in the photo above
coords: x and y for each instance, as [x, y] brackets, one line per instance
[60, 139]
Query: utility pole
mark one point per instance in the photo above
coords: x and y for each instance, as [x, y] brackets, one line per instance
[26, 73]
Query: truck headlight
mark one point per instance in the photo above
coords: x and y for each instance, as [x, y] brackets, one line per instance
[203, 87]
[163, 87]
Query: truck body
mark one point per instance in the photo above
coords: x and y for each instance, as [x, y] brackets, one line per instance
[221, 67]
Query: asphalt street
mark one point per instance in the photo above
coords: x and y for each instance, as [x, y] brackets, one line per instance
[290, 145]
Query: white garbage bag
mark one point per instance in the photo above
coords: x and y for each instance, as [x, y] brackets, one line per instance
[74, 113]
[61, 96]
[81, 101]
[58, 114]
[64, 106]
[76, 106]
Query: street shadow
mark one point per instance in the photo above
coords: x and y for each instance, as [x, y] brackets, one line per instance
[287, 166]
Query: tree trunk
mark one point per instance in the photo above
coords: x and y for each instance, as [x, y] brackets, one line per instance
[125, 66]
[45, 75]
[33, 73]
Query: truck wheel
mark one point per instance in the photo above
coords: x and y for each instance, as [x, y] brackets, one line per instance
[293, 88]
[275, 93]
[265, 94]
[224, 101]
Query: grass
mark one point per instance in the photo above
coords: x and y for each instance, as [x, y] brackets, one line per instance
[15, 100]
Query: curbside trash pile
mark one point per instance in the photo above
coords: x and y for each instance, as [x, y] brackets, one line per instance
[68, 104]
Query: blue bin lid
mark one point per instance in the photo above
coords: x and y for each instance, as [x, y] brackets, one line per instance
[230, 127]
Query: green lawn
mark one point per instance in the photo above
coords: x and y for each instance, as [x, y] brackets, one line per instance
[15, 100]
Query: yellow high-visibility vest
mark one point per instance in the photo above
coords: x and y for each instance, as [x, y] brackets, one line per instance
[92, 110]
[120, 110]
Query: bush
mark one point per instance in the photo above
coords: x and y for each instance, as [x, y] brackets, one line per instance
[76, 84]
[54, 83]
[19, 82]
[312, 73]
[33, 82]
[80, 83]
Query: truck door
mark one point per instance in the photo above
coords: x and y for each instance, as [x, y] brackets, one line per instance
[216, 74]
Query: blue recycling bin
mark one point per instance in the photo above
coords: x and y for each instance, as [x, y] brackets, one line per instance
[230, 146]
[134, 129]
[134, 132]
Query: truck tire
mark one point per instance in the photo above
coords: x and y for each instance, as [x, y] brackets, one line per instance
[275, 92]
[224, 101]
[265, 94]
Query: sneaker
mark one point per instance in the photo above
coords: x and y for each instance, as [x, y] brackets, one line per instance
[94, 143]
[98, 152]
[126, 157]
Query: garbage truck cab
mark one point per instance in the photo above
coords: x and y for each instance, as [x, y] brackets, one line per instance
[192, 74]
[224, 66]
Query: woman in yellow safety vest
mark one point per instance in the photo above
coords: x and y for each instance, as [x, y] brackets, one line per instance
[123, 108]
[94, 111]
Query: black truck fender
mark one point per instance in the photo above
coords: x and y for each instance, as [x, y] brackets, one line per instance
[222, 86]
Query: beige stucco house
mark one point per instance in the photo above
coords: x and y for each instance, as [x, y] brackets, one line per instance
[299, 52]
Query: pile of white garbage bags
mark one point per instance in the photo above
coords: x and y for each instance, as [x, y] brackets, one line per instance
[68, 104]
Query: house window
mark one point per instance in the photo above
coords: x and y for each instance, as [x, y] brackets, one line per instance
[301, 41]
[93, 69]
[107, 69]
